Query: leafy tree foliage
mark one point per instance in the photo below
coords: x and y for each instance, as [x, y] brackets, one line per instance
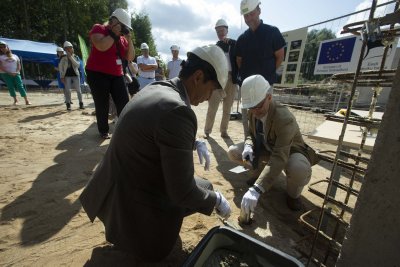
[51, 21]
[314, 38]
[58, 21]
[141, 26]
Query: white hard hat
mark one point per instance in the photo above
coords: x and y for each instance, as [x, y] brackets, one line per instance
[246, 6]
[67, 44]
[221, 22]
[254, 89]
[123, 16]
[217, 59]
[175, 47]
[59, 49]
[3, 43]
[144, 46]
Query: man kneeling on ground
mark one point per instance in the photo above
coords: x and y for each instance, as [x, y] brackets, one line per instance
[274, 144]
[145, 184]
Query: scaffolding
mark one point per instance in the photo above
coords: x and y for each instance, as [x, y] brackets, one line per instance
[334, 214]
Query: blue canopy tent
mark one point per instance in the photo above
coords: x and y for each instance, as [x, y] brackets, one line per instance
[31, 51]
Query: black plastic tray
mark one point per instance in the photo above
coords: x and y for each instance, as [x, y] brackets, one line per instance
[221, 237]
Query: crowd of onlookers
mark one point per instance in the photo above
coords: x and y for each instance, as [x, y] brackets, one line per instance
[146, 178]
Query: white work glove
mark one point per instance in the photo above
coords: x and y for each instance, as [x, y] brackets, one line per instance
[247, 153]
[249, 201]
[202, 152]
[222, 206]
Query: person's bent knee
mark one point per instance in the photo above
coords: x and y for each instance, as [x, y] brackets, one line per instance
[298, 170]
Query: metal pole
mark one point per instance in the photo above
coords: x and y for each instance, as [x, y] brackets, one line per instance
[23, 74]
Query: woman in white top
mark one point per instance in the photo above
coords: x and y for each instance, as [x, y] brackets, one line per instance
[10, 67]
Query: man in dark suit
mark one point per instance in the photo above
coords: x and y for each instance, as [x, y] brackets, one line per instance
[145, 184]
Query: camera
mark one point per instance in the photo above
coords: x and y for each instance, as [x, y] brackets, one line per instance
[124, 30]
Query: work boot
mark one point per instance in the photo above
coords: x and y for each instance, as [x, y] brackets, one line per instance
[81, 105]
[294, 204]
[68, 106]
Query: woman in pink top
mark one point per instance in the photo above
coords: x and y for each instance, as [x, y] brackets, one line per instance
[10, 67]
[111, 43]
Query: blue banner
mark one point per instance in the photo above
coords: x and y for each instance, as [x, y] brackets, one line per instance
[337, 51]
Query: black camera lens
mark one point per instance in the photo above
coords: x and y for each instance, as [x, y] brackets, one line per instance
[124, 30]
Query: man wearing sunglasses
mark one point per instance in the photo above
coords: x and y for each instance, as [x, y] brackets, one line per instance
[274, 144]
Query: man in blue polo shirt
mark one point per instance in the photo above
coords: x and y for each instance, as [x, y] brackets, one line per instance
[260, 49]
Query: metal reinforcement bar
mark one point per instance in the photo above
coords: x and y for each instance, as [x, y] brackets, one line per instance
[337, 184]
[345, 154]
[330, 199]
[344, 164]
[383, 78]
[358, 121]
[332, 242]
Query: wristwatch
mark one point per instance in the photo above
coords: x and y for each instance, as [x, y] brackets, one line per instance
[258, 190]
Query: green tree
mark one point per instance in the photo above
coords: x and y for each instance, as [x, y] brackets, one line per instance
[52, 21]
[142, 29]
[314, 38]
[114, 4]
[58, 21]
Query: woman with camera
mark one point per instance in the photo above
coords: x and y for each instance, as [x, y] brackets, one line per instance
[111, 44]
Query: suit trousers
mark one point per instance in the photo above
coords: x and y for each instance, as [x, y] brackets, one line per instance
[213, 104]
[297, 169]
[70, 83]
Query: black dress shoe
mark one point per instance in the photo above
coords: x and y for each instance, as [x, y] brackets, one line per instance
[105, 135]
[294, 204]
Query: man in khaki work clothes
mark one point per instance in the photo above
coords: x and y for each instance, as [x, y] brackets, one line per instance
[274, 144]
[228, 46]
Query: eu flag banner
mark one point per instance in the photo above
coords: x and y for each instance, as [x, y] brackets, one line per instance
[337, 51]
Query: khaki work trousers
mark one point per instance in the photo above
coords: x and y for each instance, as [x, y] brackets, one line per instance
[213, 103]
[297, 169]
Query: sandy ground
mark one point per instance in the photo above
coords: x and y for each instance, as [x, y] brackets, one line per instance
[47, 156]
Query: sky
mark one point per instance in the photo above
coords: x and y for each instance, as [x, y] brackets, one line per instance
[190, 23]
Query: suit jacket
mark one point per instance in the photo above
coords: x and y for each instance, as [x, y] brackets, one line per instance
[144, 185]
[283, 137]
